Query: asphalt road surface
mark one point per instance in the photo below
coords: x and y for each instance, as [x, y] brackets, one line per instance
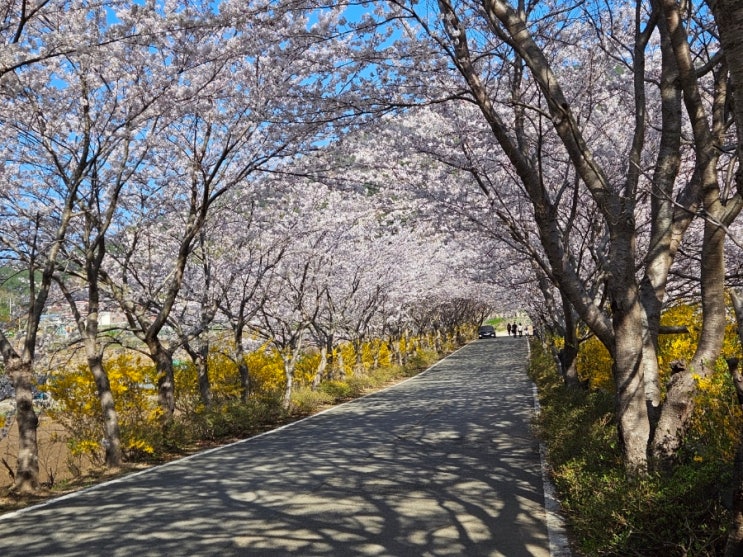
[442, 464]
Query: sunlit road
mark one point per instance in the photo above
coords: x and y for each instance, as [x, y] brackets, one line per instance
[443, 464]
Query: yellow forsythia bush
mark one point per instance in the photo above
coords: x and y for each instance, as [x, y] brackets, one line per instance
[223, 379]
[717, 416]
[266, 370]
[678, 346]
[594, 365]
[78, 408]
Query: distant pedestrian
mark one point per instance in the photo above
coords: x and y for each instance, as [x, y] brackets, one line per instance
[508, 328]
[520, 330]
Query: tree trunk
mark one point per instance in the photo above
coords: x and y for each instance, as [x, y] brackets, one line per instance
[163, 360]
[202, 368]
[679, 406]
[667, 222]
[290, 355]
[729, 18]
[289, 378]
[200, 358]
[569, 352]
[632, 416]
[245, 386]
[358, 344]
[340, 367]
[112, 434]
[89, 328]
[27, 469]
[242, 365]
[321, 367]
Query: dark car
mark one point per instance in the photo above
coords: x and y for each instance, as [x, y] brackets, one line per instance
[486, 331]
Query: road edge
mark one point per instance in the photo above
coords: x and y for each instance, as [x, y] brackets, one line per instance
[559, 545]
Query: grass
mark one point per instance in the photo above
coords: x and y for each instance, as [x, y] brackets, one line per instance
[679, 513]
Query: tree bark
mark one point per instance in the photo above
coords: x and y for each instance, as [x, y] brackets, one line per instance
[729, 18]
[112, 434]
[27, 470]
[200, 358]
[569, 353]
[321, 367]
[163, 360]
[632, 416]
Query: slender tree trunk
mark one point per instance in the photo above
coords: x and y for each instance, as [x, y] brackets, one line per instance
[245, 385]
[321, 367]
[89, 328]
[202, 368]
[242, 365]
[358, 347]
[729, 17]
[200, 358]
[394, 346]
[668, 221]
[679, 405]
[340, 367]
[289, 380]
[163, 360]
[569, 352]
[290, 355]
[112, 434]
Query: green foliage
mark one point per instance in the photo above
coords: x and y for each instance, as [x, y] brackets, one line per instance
[420, 360]
[235, 419]
[339, 390]
[609, 513]
[305, 401]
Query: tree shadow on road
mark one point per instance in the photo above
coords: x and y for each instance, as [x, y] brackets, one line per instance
[443, 464]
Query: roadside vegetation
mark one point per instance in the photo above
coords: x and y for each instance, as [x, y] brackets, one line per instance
[147, 439]
[679, 511]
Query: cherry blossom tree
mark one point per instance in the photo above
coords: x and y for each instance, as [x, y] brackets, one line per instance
[243, 104]
[111, 127]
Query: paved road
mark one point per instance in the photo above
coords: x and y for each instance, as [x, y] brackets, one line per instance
[442, 464]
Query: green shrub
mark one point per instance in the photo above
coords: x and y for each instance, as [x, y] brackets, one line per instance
[608, 513]
[339, 390]
[359, 383]
[236, 419]
[306, 401]
[384, 375]
[420, 360]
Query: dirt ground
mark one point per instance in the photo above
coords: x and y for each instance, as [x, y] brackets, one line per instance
[59, 471]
